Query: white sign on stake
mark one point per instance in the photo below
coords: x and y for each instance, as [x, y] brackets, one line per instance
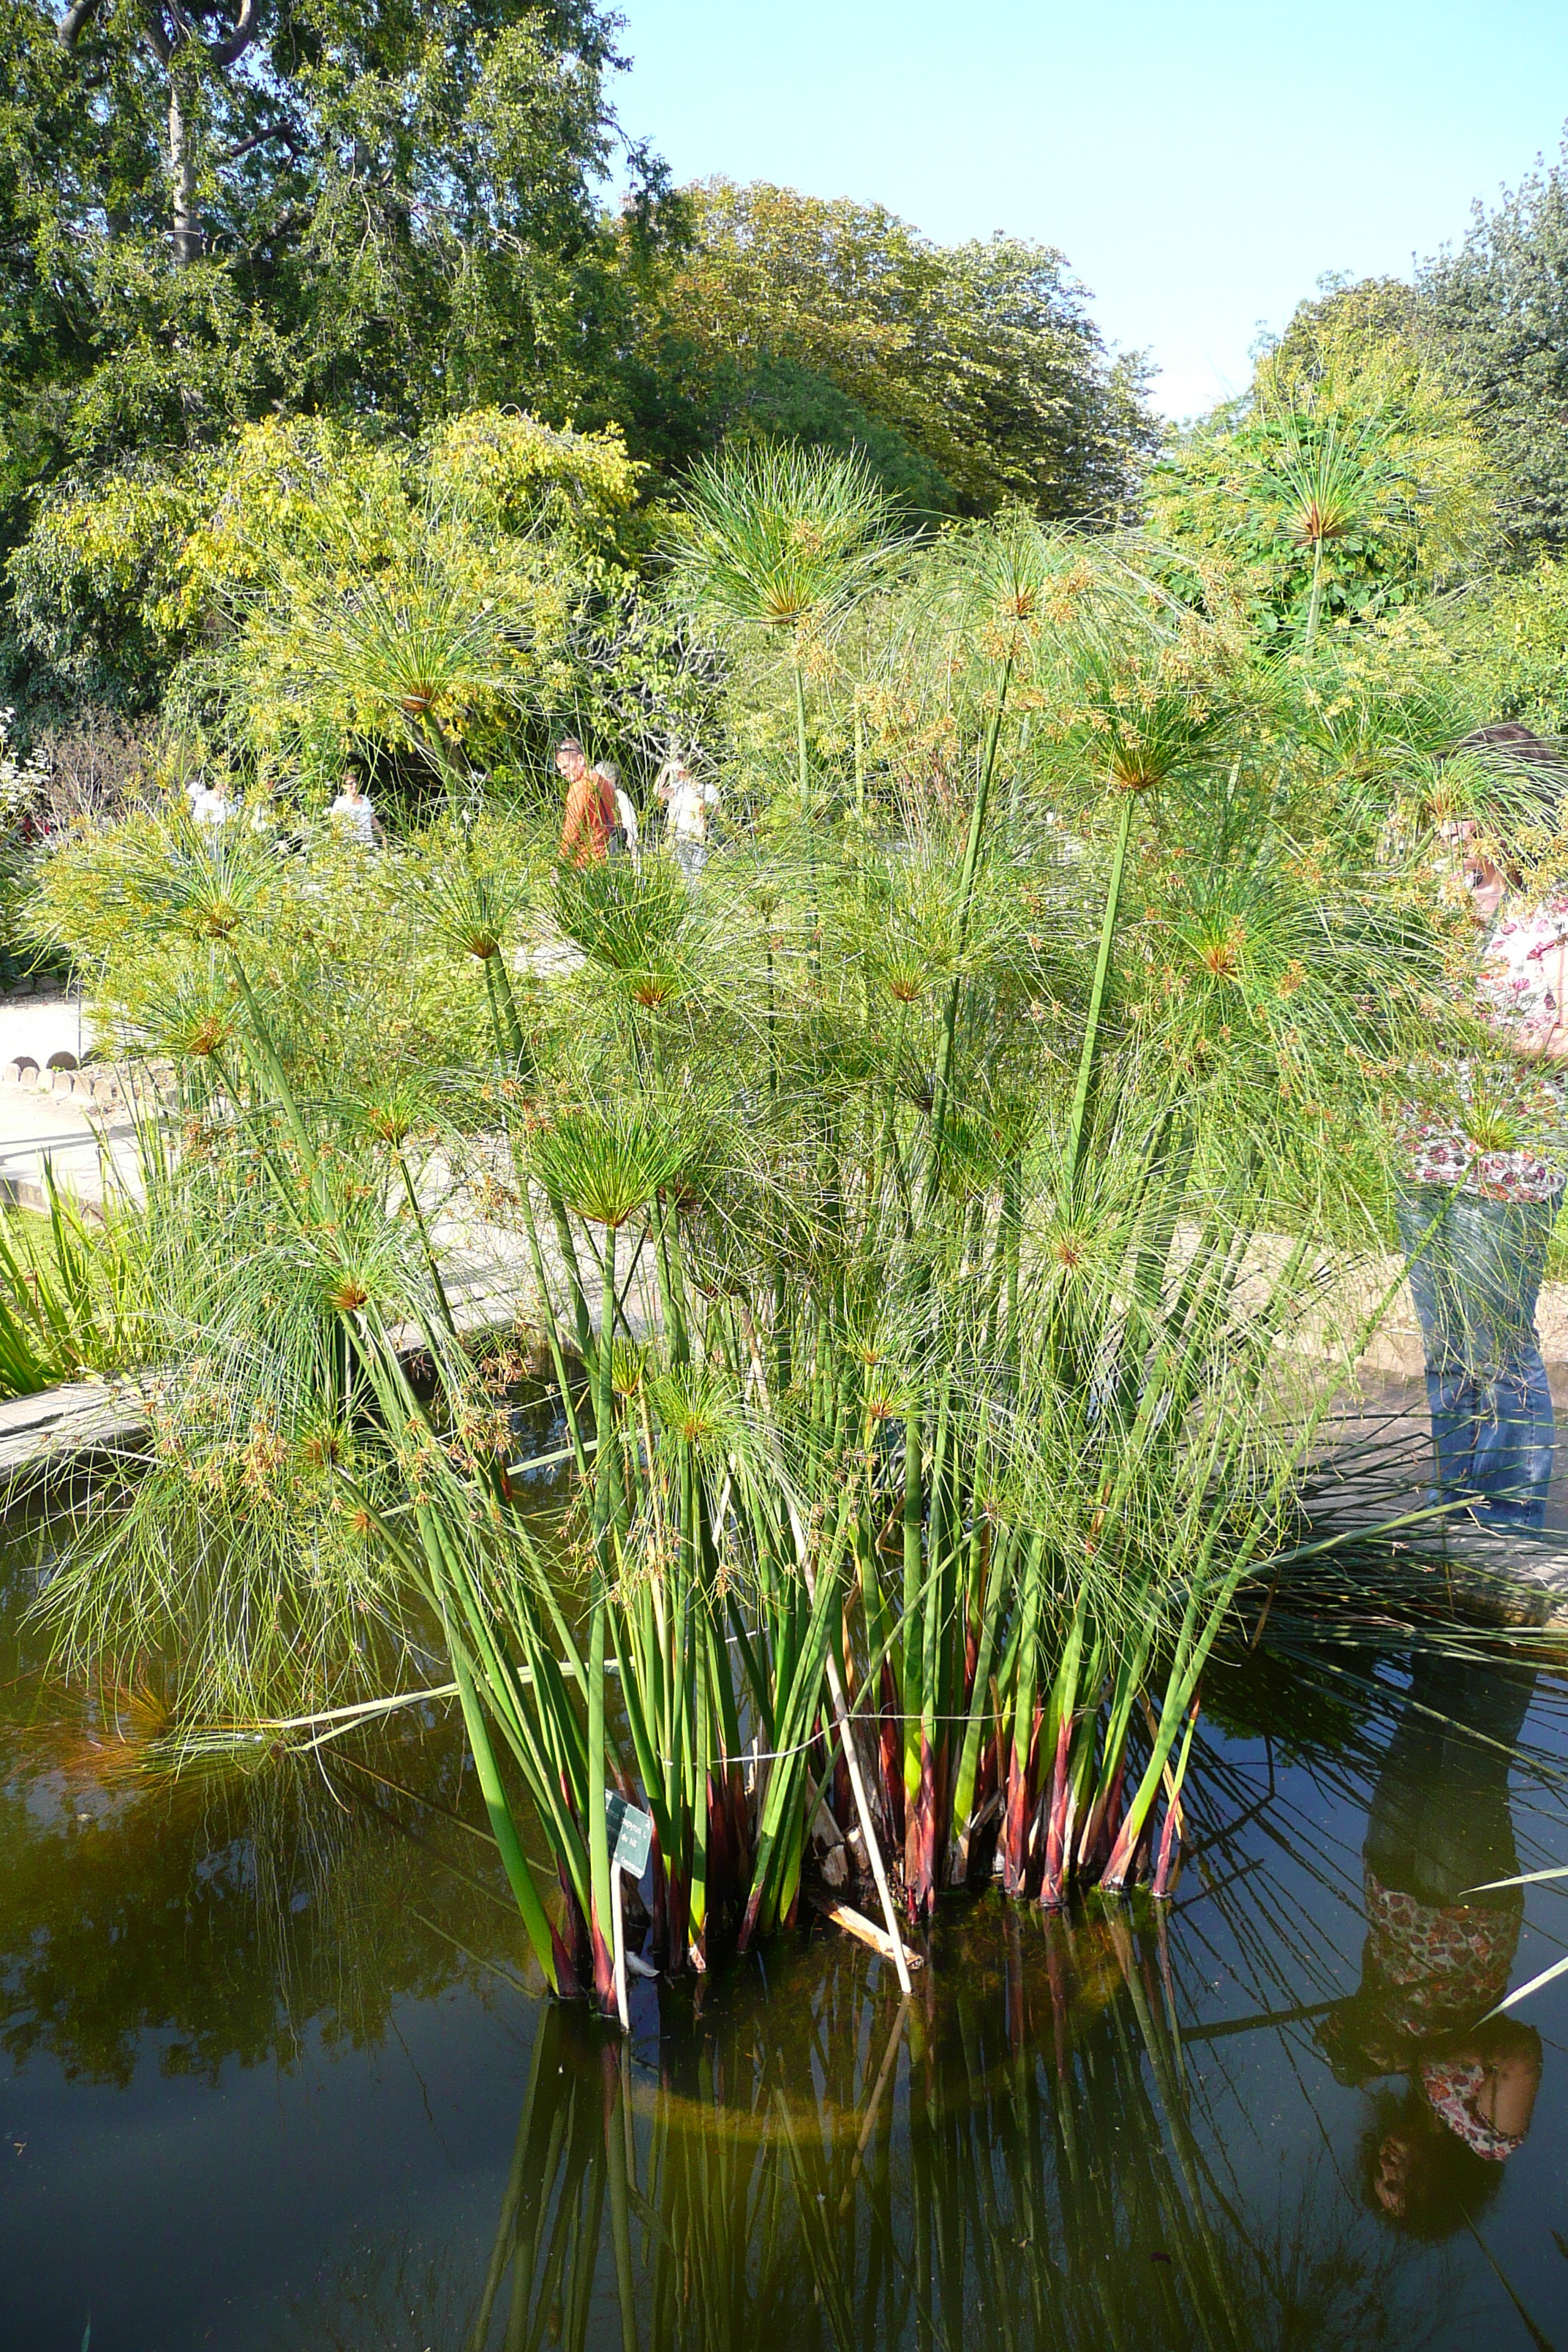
[631, 1842]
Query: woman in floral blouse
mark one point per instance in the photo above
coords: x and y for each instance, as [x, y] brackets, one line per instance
[1486, 1174]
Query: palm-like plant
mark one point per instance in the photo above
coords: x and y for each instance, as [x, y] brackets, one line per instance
[784, 541]
[402, 639]
[1329, 478]
[958, 1188]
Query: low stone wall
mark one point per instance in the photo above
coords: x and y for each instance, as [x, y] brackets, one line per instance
[94, 1084]
[37, 1432]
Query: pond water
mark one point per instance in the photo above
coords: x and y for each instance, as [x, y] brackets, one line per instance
[272, 2073]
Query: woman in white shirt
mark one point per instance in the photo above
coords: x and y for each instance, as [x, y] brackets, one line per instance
[211, 805]
[686, 802]
[354, 815]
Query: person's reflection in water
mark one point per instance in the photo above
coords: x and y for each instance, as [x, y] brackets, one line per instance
[1437, 1956]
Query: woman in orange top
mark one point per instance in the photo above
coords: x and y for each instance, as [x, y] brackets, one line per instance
[590, 807]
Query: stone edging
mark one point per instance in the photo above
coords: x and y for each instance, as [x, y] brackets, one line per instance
[62, 1073]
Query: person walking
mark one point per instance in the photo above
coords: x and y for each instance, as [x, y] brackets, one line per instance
[591, 816]
[353, 815]
[687, 802]
[1486, 1167]
[211, 807]
[626, 821]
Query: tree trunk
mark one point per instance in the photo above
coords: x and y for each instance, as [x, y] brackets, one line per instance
[165, 32]
[187, 237]
[68, 31]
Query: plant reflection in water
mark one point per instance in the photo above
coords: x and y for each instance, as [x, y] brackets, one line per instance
[1032, 2172]
[1091, 2129]
[1031, 2151]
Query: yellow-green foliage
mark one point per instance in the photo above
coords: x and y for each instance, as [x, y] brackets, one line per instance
[184, 545]
[533, 475]
[373, 978]
[1351, 358]
[243, 548]
[1516, 629]
[1411, 478]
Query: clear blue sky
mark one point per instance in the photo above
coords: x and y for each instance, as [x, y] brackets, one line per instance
[1200, 166]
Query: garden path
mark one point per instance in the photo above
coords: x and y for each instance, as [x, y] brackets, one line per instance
[56, 1116]
[82, 1124]
[73, 1133]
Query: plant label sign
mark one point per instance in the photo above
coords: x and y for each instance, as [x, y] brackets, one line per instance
[631, 1834]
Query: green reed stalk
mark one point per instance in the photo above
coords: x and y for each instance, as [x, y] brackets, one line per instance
[1315, 602]
[444, 1547]
[1019, 1800]
[967, 878]
[997, 1590]
[1086, 1056]
[503, 1828]
[427, 1245]
[776, 1869]
[599, 1835]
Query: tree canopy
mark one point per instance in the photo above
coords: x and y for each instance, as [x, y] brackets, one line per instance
[382, 214]
[1495, 312]
[1349, 477]
[381, 219]
[383, 210]
[982, 374]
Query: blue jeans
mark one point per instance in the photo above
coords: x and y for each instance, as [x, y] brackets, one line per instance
[1476, 1280]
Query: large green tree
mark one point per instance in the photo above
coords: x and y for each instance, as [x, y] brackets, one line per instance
[382, 214]
[381, 207]
[376, 210]
[971, 374]
[1494, 309]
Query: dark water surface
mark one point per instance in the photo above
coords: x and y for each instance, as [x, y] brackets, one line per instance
[271, 2073]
